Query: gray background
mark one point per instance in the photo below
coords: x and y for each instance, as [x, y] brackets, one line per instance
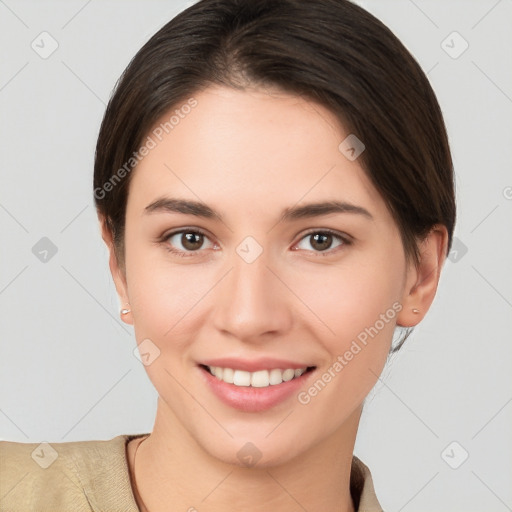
[67, 369]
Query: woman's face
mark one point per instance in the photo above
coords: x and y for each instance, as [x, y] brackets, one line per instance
[229, 265]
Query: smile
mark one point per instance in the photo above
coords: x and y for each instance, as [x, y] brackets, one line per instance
[258, 379]
[254, 386]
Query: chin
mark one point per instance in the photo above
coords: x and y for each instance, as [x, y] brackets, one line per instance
[255, 454]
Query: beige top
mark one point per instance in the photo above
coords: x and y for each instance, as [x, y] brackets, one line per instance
[85, 476]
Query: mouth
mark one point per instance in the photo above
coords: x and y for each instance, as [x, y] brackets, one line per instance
[259, 390]
[257, 379]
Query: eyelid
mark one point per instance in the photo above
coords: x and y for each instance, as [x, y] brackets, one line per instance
[344, 236]
[186, 229]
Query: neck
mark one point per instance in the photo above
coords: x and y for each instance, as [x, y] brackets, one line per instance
[171, 468]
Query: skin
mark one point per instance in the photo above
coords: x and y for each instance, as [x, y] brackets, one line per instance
[250, 155]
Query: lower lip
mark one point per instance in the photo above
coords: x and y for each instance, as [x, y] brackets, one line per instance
[249, 399]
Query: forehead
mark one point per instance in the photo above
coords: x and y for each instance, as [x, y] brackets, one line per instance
[252, 148]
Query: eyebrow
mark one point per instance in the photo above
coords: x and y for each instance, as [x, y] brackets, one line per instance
[199, 209]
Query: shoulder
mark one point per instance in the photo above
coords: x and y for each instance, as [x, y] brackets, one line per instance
[362, 488]
[78, 476]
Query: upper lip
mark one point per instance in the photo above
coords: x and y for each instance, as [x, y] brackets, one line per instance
[254, 365]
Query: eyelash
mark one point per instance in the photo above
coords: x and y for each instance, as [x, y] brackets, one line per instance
[187, 254]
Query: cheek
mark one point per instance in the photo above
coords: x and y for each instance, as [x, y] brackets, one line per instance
[351, 298]
[358, 306]
[164, 297]
[361, 310]
[165, 303]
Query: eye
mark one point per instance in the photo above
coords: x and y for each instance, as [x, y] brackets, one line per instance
[322, 240]
[186, 242]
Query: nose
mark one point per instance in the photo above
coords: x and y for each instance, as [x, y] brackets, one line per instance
[252, 304]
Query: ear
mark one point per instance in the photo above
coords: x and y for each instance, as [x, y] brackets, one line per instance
[422, 280]
[117, 270]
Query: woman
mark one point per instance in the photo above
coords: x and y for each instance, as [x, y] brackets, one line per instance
[274, 183]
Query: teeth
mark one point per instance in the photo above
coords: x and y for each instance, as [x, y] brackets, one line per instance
[259, 379]
[288, 375]
[241, 378]
[275, 377]
[228, 375]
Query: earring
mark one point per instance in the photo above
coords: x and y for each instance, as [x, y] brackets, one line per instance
[125, 311]
[415, 311]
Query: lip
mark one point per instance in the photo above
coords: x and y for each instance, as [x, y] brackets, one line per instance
[249, 399]
[254, 365]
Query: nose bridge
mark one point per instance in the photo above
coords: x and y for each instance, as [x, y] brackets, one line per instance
[250, 277]
[249, 302]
